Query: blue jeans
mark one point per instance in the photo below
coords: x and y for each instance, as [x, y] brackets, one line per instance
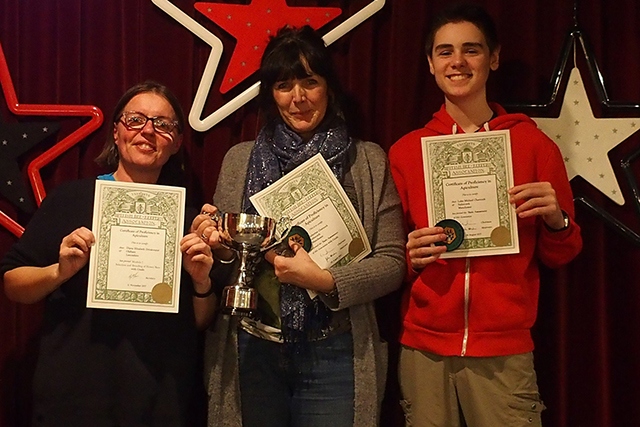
[310, 388]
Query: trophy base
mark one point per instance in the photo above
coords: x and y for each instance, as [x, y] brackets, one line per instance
[240, 312]
[239, 301]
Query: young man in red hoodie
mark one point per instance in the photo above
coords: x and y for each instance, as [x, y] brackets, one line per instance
[466, 356]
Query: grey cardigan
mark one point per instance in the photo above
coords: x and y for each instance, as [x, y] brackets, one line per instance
[358, 286]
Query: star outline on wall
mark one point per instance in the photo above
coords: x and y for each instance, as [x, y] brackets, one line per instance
[94, 114]
[597, 137]
[195, 114]
[576, 36]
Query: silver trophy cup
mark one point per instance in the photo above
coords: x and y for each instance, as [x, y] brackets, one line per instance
[249, 236]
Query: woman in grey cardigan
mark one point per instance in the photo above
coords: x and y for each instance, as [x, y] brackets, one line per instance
[307, 362]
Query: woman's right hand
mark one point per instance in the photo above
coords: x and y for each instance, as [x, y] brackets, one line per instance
[74, 252]
[421, 246]
[29, 284]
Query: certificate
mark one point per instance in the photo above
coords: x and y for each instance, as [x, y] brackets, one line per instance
[311, 196]
[467, 177]
[136, 261]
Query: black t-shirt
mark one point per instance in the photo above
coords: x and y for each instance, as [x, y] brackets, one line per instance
[98, 367]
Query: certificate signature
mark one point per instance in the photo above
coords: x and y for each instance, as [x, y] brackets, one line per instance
[136, 261]
[467, 177]
[311, 196]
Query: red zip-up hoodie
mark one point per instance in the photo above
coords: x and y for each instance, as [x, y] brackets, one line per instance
[482, 306]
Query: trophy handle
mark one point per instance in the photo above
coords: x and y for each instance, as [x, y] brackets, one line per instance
[285, 222]
[217, 217]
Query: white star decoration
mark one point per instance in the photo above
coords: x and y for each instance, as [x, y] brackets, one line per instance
[585, 140]
[210, 69]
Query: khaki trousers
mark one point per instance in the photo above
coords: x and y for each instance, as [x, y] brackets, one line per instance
[469, 391]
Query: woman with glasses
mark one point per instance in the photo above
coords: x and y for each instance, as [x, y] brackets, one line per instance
[99, 367]
[312, 361]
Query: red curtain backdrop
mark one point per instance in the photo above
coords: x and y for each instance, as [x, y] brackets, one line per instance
[588, 330]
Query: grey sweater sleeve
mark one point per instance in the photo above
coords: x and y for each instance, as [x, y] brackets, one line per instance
[381, 213]
[231, 180]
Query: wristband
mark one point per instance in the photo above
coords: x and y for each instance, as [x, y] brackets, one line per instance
[565, 225]
[204, 294]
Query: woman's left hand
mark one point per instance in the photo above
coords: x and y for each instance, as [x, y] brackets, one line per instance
[197, 260]
[537, 199]
[300, 270]
[205, 225]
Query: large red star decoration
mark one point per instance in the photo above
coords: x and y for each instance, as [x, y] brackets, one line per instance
[47, 110]
[252, 25]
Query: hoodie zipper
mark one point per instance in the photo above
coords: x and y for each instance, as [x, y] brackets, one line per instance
[467, 277]
[467, 274]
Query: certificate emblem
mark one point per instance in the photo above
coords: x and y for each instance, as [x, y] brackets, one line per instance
[161, 293]
[298, 235]
[500, 236]
[454, 232]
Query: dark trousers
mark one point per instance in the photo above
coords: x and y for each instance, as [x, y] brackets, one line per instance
[312, 386]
